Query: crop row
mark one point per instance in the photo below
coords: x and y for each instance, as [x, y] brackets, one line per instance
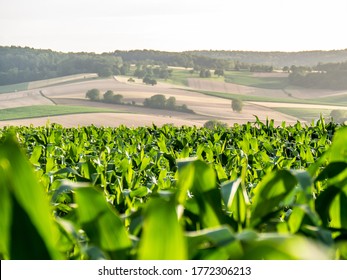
[253, 191]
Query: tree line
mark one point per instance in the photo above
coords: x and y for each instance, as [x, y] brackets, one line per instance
[275, 58]
[157, 101]
[18, 64]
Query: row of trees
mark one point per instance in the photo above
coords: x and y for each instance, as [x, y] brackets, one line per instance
[160, 72]
[159, 101]
[18, 65]
[148, 74]
[276, 59]
[206, 73]
[261, 68]
[109, 96]
[213, 59]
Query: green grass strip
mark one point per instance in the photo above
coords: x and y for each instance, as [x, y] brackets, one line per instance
[248, 79]
[253, 98]
[14, 87]
[47, 110]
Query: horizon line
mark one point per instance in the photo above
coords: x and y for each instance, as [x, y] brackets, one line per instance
[172, 51]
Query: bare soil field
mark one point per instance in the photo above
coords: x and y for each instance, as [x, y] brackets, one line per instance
[102, 119]
[205, 107]
[23, 98]
[48, 82]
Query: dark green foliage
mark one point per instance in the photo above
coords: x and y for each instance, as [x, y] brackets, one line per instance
[237, 105]
[159, 101]
[148, 81]
[205, 73]
[219, 72]
[20, 65]
[171, 103]
[261, 68]
[110, 97]
[252, 191]
[156, 101]
[93, 94]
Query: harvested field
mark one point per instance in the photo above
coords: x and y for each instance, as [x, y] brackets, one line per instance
[23, 98]
[205, 107]
[102, 119]
[53, 81]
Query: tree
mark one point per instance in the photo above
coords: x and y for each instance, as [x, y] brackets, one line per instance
[93, 94]
[171, 103]
[148, 81]
[205, 73]
[104, 71]
[117, 99]
[153, 82]
[108, 95]
[156, 101]
[219, 72]
[236, 105]
[139, 73]
[125, 68]
[286, 69]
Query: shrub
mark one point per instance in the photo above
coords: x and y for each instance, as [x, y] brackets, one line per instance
[149, 81]
[236, 105]
[338, 115]
[212, 124]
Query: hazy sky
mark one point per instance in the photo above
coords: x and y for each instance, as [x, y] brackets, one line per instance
[174, 25]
